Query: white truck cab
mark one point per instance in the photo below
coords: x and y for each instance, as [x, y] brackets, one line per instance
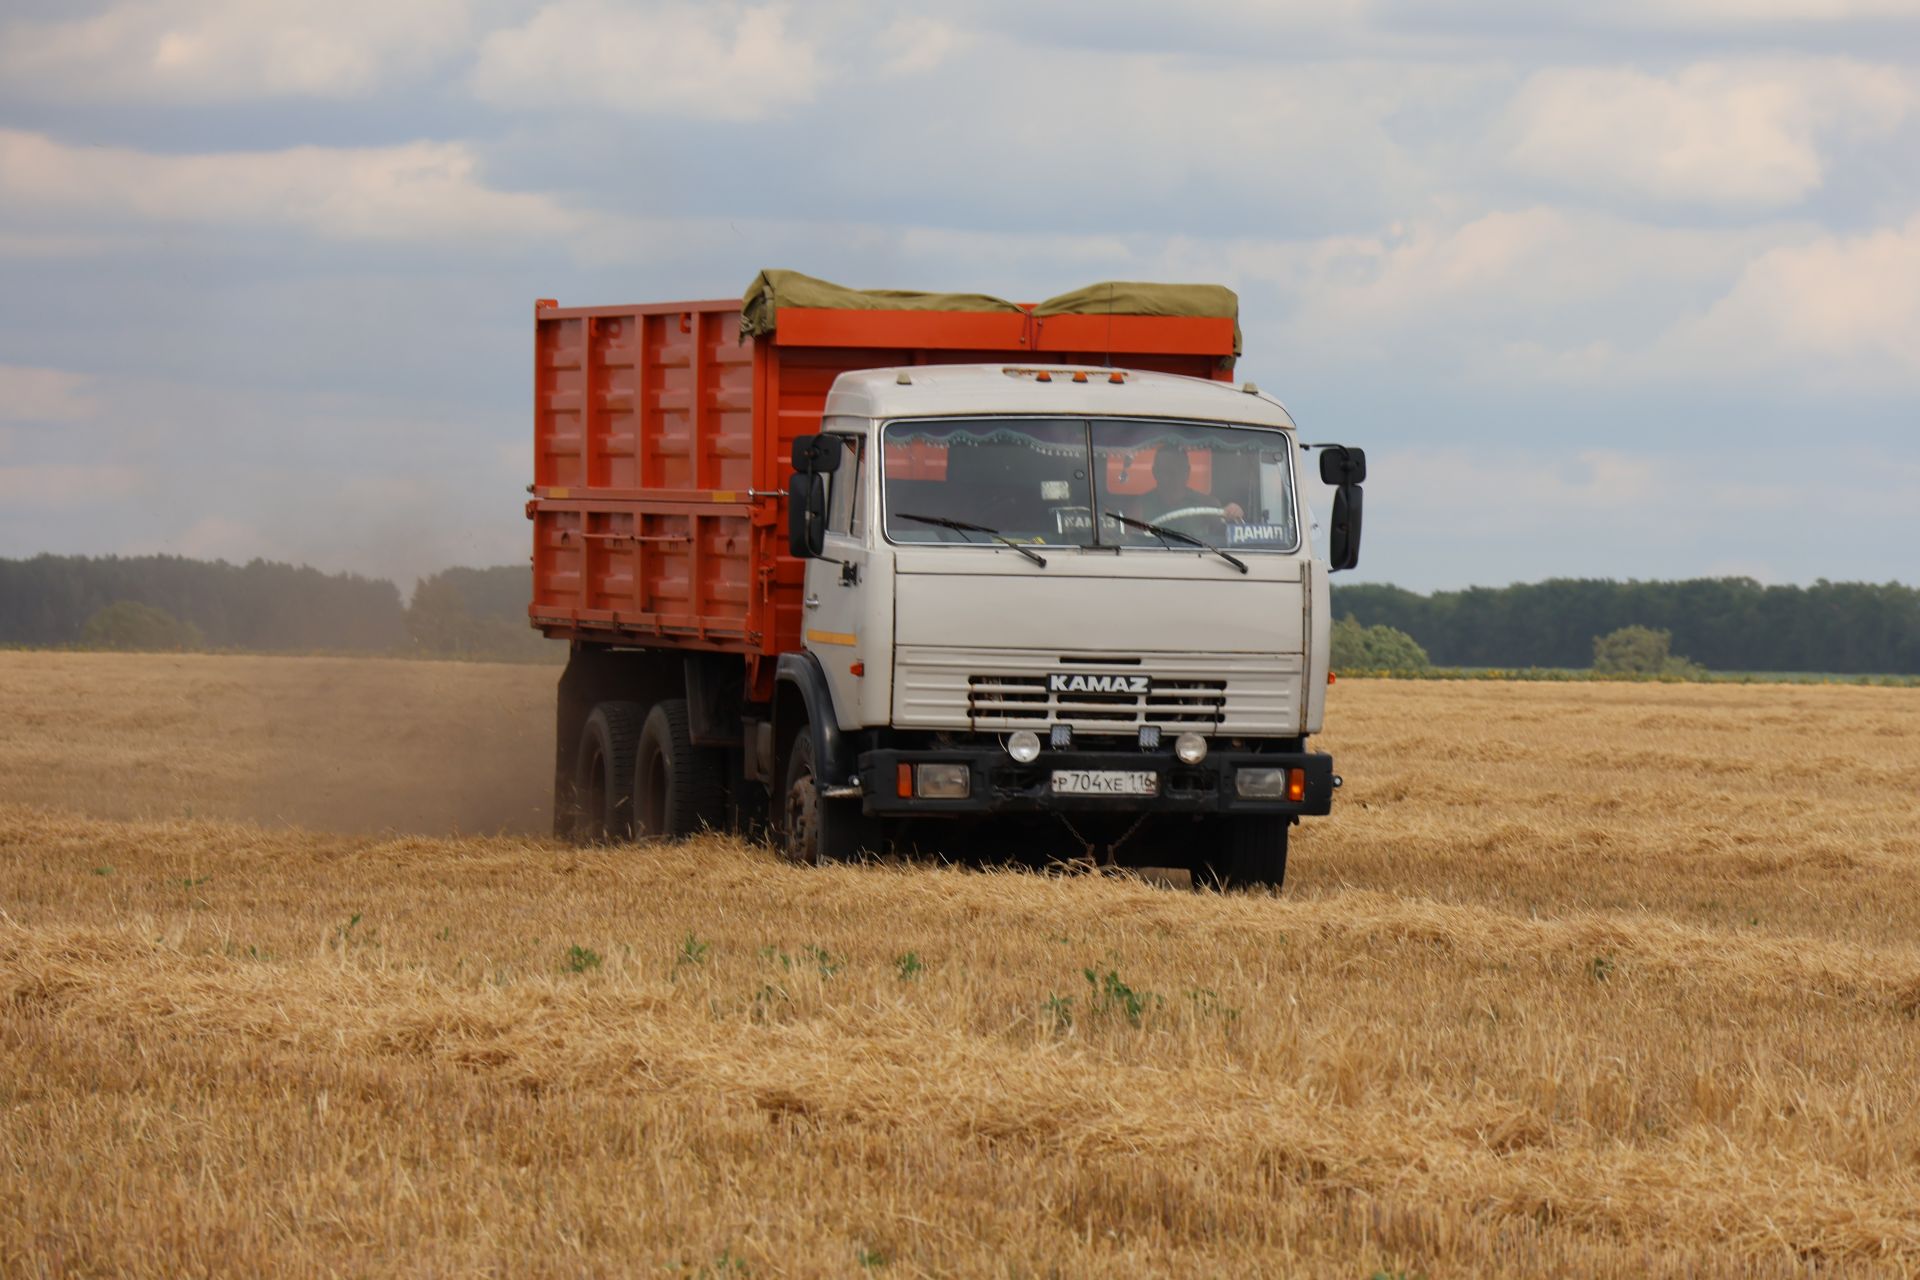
[1074, 590]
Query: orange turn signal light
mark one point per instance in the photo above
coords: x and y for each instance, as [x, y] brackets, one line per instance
[1296, 785]
[905, 783]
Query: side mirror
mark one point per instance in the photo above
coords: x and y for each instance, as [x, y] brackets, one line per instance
[817, 455]
[1343, 536]
[1340, 465]
[806, 515]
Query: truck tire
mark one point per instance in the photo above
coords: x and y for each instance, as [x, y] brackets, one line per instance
[678, 789]
[1243, 852]
[603, 773]
[813, 831]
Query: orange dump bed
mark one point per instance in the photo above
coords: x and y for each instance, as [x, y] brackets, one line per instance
[662, 446]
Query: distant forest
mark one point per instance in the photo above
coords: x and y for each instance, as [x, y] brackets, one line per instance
[49, 601]
[1725, 624]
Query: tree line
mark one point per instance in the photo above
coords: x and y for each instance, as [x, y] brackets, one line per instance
[1724, 624]
[172, 602]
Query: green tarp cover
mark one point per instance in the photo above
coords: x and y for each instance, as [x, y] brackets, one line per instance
[773, 289]
[1137, 298]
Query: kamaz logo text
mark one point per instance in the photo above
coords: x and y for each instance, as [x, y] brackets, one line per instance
[1062, 682]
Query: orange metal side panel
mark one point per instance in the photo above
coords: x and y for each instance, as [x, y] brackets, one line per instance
[661, 447]
[645, 523]
[1126, 336]
[895, 330]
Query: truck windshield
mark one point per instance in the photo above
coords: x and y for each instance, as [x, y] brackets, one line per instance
[1055, 481]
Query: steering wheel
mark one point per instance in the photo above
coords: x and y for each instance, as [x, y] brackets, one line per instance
[1192, 513]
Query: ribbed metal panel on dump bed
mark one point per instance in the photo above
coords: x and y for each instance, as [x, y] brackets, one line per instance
[661, 448]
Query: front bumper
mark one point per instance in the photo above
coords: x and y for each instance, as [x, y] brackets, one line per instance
[999, 784]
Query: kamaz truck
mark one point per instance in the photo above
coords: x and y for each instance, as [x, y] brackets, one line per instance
[875, 570]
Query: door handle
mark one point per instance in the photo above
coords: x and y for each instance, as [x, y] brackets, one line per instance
[812, 602]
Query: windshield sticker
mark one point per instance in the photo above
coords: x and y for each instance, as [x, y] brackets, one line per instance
[1055, 490]
[1241, 533]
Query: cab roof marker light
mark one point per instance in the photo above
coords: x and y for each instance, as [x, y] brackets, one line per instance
[904, 379]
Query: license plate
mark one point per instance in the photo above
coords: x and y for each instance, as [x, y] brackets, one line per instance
[1105, 782]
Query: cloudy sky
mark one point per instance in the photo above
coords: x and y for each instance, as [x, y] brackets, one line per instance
[1629, 293]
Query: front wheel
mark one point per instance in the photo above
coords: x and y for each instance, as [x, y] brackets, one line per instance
[1243, 852]
[813, 830]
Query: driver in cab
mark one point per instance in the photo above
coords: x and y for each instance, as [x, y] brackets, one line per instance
[1173, 492]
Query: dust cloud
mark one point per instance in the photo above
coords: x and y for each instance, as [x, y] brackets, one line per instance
[350, 745]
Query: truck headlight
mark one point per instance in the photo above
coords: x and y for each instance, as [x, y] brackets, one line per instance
[1260, 784]
[1271, 784]
[1024, 746]
[1190, 748]
[942, 781]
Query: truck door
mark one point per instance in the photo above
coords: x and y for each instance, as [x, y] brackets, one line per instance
[834, 612]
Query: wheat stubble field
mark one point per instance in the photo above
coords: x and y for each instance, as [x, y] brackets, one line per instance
[1579, 980]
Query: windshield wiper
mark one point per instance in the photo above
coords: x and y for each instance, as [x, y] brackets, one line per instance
[1161, 532]
[966, 527]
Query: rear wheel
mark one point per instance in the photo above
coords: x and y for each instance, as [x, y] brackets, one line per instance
[1243, 852]
[603, 773]
[814, 831]
[678, 789]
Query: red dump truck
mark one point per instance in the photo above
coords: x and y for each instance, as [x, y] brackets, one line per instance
[862, 569]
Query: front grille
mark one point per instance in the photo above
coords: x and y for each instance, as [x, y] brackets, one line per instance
[999, 690]
[1024, 702]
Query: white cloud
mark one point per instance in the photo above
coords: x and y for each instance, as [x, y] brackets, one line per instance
[1543, 296]
[1733, 134]
[917, 45]
[228, 50]
[1543, 494]
[1454, 483]
[1678, 13]
[57, 485]
[719, 60]
[414, 191]
[214, 537]
[1461, 296]
[1013, 136]
[1783, 306]
[29, 394]
[1843, 309]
